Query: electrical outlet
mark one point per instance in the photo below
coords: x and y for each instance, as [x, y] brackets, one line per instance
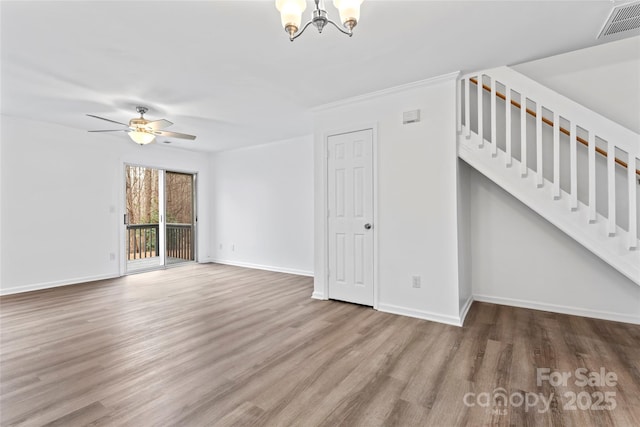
[220, 246]
[112, 256]
[233, 247]
[416, 281]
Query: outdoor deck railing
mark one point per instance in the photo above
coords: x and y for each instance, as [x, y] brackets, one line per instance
[180, 241]
[142, 241]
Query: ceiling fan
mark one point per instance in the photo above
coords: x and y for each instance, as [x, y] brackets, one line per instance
[143, 131]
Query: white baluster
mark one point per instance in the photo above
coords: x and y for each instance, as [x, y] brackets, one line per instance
[494, 137]
[592, 177]
[556, 155]
[633, 209]
[540, 172]
[459, 107]
[523, 135]
[467, 107]
[611, 188]
[507, 106]
[480, 111]
[573, 160]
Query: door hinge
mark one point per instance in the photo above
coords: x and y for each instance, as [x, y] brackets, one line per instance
[125, 219]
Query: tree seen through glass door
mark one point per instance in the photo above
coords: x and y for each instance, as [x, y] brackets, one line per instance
[180, 231]
[142, 200]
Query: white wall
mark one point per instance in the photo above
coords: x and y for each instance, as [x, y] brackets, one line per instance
[62, 202]
[603, 78]
[262, 206]
[465, 256]
[518, 258]
[416, 199]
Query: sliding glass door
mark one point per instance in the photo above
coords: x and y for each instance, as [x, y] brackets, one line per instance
[142, 219]
[160, 218]
[181, 220]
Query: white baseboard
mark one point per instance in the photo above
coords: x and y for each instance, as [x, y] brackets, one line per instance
[318, 295]
[54, 284]
[465, 309]
[604, 315]
[262, 267]
[420, 314]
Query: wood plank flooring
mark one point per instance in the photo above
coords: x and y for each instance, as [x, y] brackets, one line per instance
[204, 345]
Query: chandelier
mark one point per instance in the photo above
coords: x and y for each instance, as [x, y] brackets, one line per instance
[291, 15]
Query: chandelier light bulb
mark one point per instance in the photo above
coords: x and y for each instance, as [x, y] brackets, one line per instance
[291, 14]
[349, 12]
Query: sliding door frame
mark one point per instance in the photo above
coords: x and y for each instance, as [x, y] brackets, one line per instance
[194, 219]
[161, 208]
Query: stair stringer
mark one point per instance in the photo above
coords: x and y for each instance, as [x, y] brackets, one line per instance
[593, 236]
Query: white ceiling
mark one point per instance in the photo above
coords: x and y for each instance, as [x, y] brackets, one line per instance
[226, 71]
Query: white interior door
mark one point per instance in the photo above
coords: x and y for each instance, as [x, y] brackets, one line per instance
[350, 217]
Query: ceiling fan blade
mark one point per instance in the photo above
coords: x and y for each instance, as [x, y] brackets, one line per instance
[159, 124]
[108, 120]
[174, 134]
[110, 130]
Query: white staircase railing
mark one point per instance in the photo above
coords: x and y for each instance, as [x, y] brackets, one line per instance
[514, 128]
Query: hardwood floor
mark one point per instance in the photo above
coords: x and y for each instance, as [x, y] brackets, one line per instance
[219, 345]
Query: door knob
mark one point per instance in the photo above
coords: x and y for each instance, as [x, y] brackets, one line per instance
[367, 226]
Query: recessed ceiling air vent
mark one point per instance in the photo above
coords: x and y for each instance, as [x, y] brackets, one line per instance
[625, 17]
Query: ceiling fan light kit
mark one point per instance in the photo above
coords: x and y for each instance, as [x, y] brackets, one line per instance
[291, 16]
[141, 137]
[143, 131]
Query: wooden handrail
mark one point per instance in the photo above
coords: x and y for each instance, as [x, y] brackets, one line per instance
[550, 123]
